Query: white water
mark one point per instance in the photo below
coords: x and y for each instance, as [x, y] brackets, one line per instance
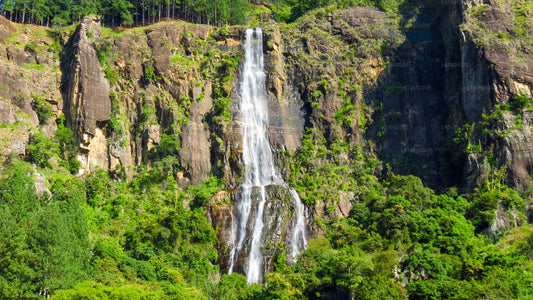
[299, 238]
[259, 167]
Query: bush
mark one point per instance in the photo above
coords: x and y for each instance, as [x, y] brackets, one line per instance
[40, 149]
[43, 109]
[519, 103]
[149, 72]
[108, 247]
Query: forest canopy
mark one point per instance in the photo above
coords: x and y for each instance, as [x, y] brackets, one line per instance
[141, 12]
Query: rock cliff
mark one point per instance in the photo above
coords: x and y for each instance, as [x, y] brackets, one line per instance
[87, 90]
[498, 82]
[30, 81]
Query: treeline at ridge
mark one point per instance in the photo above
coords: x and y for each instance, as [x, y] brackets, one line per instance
[142, 12]
[123, 12]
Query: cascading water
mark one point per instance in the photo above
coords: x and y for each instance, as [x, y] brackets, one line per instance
[299, 239]
[259, 167]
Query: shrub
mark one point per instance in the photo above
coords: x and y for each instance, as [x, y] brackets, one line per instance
[149, 73]
[40, 149]
[519, 103]
[43, 109]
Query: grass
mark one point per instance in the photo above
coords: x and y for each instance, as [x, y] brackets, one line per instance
[182, 62]
[517, 237]
[38, 67]
[112, 32]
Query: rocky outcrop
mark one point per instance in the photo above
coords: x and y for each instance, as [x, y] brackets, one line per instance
[86, 91]
[496, 73]
[277, 219]
[29, 72]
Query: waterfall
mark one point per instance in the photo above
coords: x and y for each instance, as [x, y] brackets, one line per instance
[299, 238]
[259, 168]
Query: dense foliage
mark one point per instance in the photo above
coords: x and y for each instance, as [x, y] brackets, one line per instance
[404, 241]
[119, 240]
[106, 238]
[124, 12]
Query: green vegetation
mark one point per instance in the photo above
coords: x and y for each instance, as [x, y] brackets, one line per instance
[400, 239]
[44, 238]
[136, 238]
[149, 73]
[105, 237]
[221, 12]
[41, 149]
[516, 41]
[105, 56]
[401, 231]
[43, 109]
[64, 137]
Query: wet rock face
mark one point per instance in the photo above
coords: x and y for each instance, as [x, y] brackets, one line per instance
[277, 230]
[419, 103]
[286, 113]
[285, 106]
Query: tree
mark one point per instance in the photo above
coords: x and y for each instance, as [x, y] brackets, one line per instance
[43, 240]
[16, 275]
[121, 10]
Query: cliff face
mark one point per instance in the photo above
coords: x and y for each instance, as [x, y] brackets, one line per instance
[419, 86]
[454, 73]
[87, 90]
[30, 78]
[171, 79]
[498, 61]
